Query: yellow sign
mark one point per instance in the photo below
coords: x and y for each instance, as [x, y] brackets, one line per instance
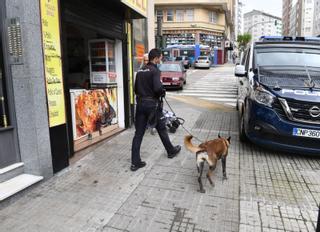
[128, 28]
[52, 61]
[140, 6]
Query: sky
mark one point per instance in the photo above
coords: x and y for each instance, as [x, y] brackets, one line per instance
[273, 7]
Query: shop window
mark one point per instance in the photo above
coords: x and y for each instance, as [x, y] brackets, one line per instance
[111, 57]
[102, 62]
[140, 42]
[190, 15]
[180, 15]
[213, 17]
[169, 15]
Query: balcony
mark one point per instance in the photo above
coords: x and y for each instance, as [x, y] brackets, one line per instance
[223, 4]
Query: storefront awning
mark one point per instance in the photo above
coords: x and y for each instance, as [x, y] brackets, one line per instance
[138, 6]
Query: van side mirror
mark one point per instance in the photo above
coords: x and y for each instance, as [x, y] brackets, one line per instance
[240, 71]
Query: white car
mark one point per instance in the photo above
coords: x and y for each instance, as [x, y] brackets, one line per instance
[202, 62]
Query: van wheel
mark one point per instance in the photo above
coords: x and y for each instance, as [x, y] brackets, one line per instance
[242, 133]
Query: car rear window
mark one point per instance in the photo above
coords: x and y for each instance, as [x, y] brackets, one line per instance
[170, 68]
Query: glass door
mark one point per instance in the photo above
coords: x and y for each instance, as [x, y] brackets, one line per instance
[3, 106]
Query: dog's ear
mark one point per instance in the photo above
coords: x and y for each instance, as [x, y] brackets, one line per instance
[229, 138]
[219, 136]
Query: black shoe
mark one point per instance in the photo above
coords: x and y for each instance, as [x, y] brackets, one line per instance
[136, 167]
[175, 151]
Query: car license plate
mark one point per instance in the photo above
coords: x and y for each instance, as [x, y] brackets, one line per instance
[166, 83]
[306, 133]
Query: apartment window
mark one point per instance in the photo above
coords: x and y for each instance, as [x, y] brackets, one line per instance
[213, 17]
[180, 15]
[169, 15]
[190, 14]
[159, 14]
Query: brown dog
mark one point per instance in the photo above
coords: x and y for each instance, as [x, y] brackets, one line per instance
[210, 151]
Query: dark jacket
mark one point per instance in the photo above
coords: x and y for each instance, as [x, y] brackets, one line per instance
[148, 82]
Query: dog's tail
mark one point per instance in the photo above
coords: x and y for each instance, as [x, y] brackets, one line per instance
[188, 144]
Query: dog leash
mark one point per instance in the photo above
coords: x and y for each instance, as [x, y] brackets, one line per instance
[181, 122]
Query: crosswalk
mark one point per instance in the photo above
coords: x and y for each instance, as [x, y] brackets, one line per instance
[218, 85]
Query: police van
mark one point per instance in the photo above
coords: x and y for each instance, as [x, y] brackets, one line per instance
[279, 94]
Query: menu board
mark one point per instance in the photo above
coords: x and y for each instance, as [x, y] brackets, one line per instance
[52, 61]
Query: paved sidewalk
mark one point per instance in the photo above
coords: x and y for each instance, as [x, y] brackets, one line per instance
[265, 191]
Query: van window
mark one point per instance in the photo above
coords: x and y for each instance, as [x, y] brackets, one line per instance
[244, 56]
[247, 60]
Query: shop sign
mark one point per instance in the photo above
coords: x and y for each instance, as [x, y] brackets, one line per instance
[138, 5]
[140, 50]
[104, 77]
[52, 61]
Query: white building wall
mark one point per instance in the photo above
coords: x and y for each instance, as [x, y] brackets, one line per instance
[316, 22]
[259, 24]
[238, 18]
[307, 18]
[151, 24]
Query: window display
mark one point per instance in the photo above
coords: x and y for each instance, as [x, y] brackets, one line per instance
[102, 63]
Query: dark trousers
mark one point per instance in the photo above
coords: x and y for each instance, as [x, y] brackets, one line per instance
[144, 109]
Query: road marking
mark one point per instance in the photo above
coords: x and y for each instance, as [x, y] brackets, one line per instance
[217, 85]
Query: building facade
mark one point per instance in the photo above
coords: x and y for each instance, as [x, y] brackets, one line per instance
[308, 18]
[258, 24]
[187, 22]
[238, 24]
[300, 17]
[316, 24]
[66, 83]
[286, 13]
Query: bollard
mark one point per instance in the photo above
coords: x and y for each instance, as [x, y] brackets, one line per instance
[318, 223]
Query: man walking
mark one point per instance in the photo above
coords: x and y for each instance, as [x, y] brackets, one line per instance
[149, 90]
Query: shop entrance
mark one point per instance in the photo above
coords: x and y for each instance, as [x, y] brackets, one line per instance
[94, 82]
[8, 137]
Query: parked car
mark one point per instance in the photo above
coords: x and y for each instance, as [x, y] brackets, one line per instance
[168, 58]
[185, 60]
[173, 75]
[279, 94]
[202, 62]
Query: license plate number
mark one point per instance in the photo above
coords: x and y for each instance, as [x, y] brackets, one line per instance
[164, 83]
[306, 133]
